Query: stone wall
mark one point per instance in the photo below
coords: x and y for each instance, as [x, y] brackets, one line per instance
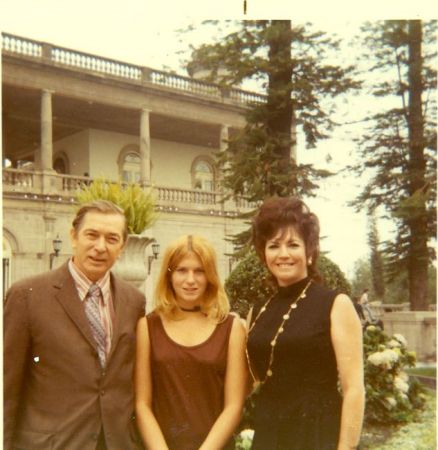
[419, 329]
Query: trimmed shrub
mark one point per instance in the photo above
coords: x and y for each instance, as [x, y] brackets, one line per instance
[332, 275]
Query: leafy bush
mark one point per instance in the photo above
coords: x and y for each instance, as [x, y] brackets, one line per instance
[391, 396]
[137, 203]
[249, 283]
[332, 275]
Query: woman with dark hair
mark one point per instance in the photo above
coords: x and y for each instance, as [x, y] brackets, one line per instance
[302, 341]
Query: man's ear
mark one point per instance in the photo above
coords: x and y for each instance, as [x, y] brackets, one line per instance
[73, 237]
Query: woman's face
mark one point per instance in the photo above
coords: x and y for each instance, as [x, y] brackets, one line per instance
[189, 281]
[285, 255]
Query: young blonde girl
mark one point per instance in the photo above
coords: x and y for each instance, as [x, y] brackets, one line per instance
[190, 367]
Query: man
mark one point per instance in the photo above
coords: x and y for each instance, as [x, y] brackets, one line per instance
[364, 302]
[69, 344]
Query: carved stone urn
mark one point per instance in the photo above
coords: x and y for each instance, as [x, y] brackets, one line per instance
[132, 263]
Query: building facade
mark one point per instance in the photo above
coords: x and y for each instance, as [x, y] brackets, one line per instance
[71, 117]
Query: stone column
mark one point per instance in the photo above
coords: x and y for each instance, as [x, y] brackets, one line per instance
[224, 135]
[145, 148]
[46, 151]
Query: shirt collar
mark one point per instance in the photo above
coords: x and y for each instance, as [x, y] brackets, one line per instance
[83, 283]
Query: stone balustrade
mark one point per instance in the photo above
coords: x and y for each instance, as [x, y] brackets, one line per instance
[93, 63]
[378, 308]
[19, 180]
[21, 46]
[61, 56]
[176, 195]
[70, 184]
[65, 187]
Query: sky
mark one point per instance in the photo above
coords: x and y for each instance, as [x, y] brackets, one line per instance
[145, 33]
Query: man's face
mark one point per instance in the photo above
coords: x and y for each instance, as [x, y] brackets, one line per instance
[98, 243]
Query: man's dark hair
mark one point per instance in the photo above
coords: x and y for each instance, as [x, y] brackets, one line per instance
[100, 206]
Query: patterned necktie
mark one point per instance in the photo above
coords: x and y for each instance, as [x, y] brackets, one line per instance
[93, 314]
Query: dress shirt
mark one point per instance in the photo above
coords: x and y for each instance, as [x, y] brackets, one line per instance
[106, 307]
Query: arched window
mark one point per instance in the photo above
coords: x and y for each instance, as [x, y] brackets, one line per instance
[60, 163]
[131, 168]
[129, 164]
[203, 174]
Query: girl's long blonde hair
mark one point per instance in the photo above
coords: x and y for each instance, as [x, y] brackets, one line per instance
[215, 303]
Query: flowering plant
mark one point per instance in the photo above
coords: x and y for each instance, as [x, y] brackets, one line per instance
[243, 440]
[392, 397]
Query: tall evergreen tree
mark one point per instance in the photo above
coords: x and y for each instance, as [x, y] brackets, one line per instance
[400, 144]
[376, 259]
[289, 63]
[361, 278]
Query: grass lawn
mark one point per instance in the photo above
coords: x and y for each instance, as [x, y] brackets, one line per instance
[424, 371]
[417, 435]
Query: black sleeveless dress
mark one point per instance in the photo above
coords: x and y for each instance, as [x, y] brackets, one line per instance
[299, 406]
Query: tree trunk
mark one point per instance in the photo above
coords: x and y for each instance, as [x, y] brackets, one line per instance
[418, 252]
[279, 102]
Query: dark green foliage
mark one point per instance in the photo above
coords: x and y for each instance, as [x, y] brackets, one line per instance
[250, 282]
[288, 61]
[397, 289]
[332, 275]
[361, 278]
[398, 148]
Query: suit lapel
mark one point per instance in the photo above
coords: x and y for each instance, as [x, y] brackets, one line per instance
[68, 297]
[119, 313]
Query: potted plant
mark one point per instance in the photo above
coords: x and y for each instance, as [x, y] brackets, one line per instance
[139, 207]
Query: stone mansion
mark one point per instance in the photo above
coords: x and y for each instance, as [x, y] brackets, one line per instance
[70, 117]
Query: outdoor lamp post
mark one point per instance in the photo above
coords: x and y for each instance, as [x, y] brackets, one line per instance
[57, 244]
[155, 253]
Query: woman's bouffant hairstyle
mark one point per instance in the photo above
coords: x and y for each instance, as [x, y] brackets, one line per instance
[277, 213]
[215, 303]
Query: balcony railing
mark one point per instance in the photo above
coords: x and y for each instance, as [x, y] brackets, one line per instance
[20, 180]
[65, 187]
[66, 57]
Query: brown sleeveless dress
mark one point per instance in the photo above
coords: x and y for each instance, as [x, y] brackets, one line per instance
[188, 383]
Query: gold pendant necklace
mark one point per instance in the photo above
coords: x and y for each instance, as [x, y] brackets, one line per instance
[280, 330]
